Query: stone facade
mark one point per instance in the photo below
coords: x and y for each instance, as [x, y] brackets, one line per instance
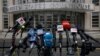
[1, 20]
[87, 23]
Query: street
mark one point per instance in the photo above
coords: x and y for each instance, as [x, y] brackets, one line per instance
[34, 52]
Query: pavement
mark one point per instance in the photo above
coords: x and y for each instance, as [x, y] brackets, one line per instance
[57, 53]
[34, 51]
[96, 35]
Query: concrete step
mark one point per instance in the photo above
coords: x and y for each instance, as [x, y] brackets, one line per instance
[9, 35]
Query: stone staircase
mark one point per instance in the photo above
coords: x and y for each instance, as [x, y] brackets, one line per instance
[94, 34]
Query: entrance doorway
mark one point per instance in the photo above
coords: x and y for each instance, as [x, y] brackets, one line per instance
[48, 19]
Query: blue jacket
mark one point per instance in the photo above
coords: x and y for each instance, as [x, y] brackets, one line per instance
[48, 39]
[32, 34]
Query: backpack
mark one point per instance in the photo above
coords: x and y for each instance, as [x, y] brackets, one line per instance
[31, 34]
[48, 39]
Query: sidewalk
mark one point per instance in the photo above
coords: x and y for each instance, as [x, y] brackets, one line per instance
[9, 35]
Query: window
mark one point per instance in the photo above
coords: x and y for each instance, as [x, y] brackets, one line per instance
[16, 2]
[5, 22]
[48, 0]
[69, 18]
[41, 18]
[30, 1]
[5, 9]
[62, 17]
[83, 1]
[49, 18]
[55, 17]
[96, 2]
[41, 0]
[5, 16]
[62, 0]
[4, 1]
[56, 0]
[20, 1]
[24, 1]
[36, 18]
[36, 0]
[95, 19]
[78, 1]
[73, 1]
[13, 2]
[33, 1]
[4, 4]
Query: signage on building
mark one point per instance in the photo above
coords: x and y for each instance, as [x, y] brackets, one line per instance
[80, 6]
[49, 5]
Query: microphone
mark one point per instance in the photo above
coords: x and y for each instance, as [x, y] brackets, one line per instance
[21, 24]
[28, 22]
[15, 26]
[66, 25]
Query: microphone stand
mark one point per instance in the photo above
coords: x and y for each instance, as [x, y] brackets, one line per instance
[16, 29]
[54, 36]
[13, 47]
[4, 41]
[83, 47]
[22, 30]
[20, 42]
[71, 41]
[60, 42]
[75, 44]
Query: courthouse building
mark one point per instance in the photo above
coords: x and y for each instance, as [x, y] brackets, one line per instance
[84, 13]
[3, 15]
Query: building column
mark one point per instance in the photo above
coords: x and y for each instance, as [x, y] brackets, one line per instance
[88, 1]
[10, 20]
[10, 15]
[88, 23]
[1, 17]
[99, 14]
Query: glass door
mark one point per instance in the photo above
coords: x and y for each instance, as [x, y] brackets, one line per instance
[45, 20]
[42, 19]
[80, 20]
[48, 22]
